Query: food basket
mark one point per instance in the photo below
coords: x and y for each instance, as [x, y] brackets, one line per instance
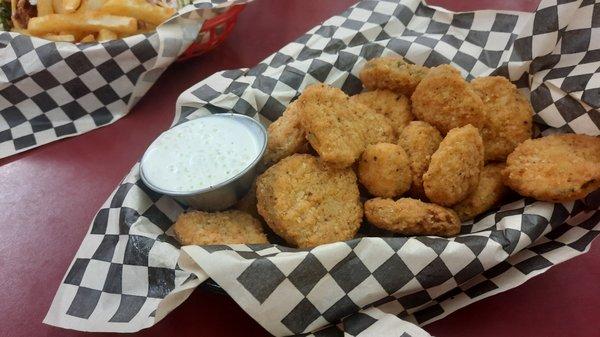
[214, 31]
[130, 271]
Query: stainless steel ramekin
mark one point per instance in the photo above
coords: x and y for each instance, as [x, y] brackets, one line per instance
[225, 194]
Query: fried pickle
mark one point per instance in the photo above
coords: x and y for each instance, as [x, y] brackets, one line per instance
[509, 115]
[395, 107]
[384, 170]
[488, 193]
[308, 203]
[338, 129]
[392, 73]
[557, 168]
[408, 216]
[445, 100]
[420, 140]
[455, 167]
[228, 227]
[286, 137]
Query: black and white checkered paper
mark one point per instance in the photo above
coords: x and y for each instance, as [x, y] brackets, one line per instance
[51, 90]
[130, 272]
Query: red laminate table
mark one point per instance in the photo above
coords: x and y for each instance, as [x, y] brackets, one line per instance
[49, 195]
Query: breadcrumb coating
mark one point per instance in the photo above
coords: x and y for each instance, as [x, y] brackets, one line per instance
[556, 168]
[384, 170]
[228, 227]
[392, 73]
[454, 169]
[408, 216]
[396, 107]
[508, 113]
[308, 203]
[445, 100]
[420, 140]
[488, 193]
[337, 128]
[286, 137]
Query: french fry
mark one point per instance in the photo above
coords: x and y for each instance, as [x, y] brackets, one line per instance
[81, 22]
[139, 9]
[105, 35]
[88, 38]
[91, 5]
[65, 6]
[44, 7]
[59, 37]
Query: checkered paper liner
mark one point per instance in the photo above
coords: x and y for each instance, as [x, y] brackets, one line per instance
[129, 271]
[52, 90]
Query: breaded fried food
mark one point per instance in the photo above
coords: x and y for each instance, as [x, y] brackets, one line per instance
[308, 203]
[248, 203]
[396, 107]
[557, 168]
[445, 100]
[488, 193]
[420, 140]
[392, 73]
[455, 167]
[408, 216]
[228, 227]
[338, 129]
[286, 137]
[384, 170]
[508, 113]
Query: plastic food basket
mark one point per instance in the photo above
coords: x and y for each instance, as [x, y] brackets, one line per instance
[213, 32]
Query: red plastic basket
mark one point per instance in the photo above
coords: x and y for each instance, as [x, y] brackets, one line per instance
[213, 33]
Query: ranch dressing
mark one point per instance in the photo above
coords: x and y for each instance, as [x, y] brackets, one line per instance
[199, 154]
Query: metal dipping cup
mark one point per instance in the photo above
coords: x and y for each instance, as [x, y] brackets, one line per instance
[226, 193]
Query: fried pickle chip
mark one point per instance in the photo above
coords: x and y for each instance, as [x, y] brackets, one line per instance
[337, 128]
[384, 170]
[557, 168]
[395, 107]
[445, 100]
[392, 73]
[488, 193]
[228, 227]
[420, 140]
[286, 137]
[509, 115]
[248, 203]
[308, 203]
[455, 167]
[408, 216]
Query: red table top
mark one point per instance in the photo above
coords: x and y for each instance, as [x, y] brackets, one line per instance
[49, 195]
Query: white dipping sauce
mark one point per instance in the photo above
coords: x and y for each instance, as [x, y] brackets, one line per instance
[200, 153]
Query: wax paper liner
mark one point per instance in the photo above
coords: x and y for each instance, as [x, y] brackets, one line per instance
[130, 272]
[52, 90]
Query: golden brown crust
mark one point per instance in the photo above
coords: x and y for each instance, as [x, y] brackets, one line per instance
[248, 203]
[395, 107]
[308, 203]
[412, 217]
[228, 227]
[384, 170]
[557, 168]
[454, 169]
[488, 193]
[508, 116]
[338, 129]
[286, 137]
[392, 73]
[420, 140]
[445, 100]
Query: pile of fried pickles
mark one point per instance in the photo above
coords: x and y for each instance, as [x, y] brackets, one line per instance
[418, 152]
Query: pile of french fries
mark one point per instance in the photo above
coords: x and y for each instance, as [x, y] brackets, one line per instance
[93, 20]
